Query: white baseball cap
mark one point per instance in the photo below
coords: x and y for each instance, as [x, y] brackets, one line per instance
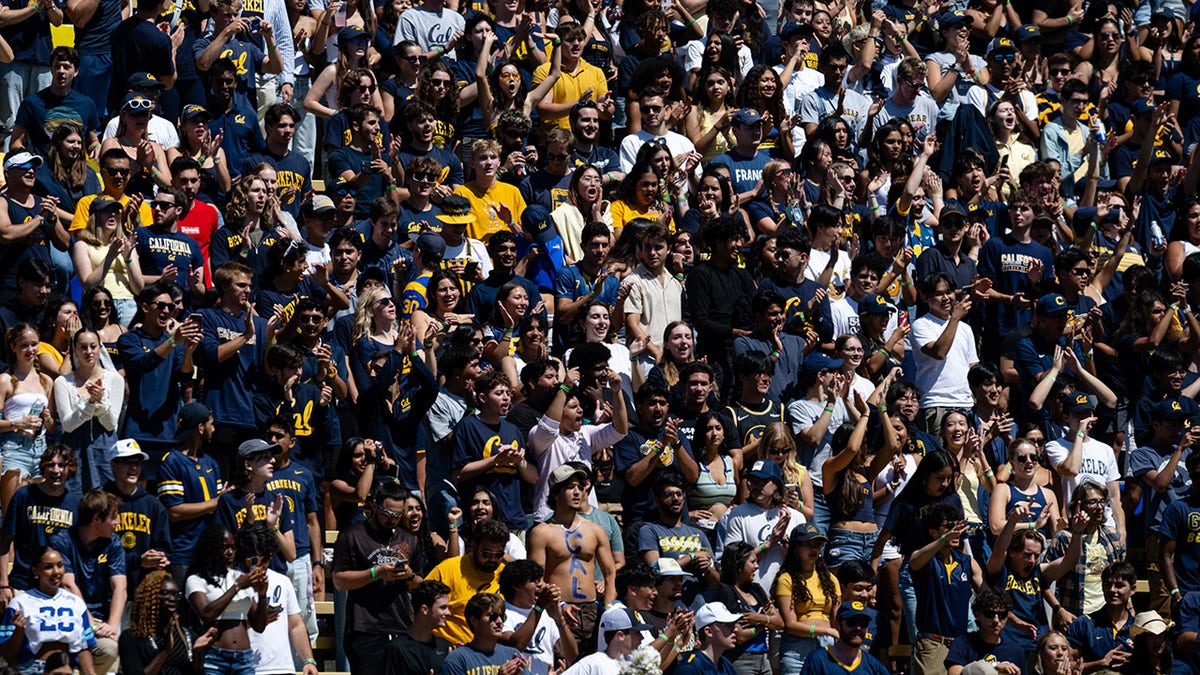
[715, 612]
[126, 448]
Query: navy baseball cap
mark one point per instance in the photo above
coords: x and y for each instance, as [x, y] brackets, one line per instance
[816, 362]
[1052, 303]
[874, 303]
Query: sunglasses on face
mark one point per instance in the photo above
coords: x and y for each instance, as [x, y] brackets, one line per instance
[1025, 458]
[415, 58]
[390, 514]
[652, 108]
[557, 157]
[344, 193]
[993, 614]
[27, 166]
[116, 171]
[369, 88]
[779, 451]
[162, 204]
[1060, 71]
[509, 77]
[100, 304]
[1004, 58]
[439, 83]
[424, 176]
[165, 306]
[311, 319]
[384, 302]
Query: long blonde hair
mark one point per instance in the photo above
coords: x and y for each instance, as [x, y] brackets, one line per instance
[364, 323]
[777, 433]
[239, 198]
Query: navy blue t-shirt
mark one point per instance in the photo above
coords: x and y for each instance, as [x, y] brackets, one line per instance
[144, 526]
[95, 37]
[183, 480]
[475, 439]
[138, 45]
[1181, 523]
[1006, 261]
[93, 566]
[637, 502]
[30, 39]
[746, 171]
[697, 662]
[291, 171]
[247, 57]
[156, 250]
[33, 517]
[154, 386]
[347, 158]
[944, 594]
[242, 135]
[1094, 635]
[442, 155]
[34, 245]
[229, 394]
[970, 648]
[231, 512]
[31, 116]
[1026, 595]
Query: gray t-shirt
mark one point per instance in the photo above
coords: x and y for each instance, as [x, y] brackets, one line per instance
[922, 114]
[429, 29]
[802, 414]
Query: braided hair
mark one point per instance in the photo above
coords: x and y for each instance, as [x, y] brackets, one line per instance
[143, 617]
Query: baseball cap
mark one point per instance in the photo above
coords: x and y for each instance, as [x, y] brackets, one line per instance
[1026, 32]
[795, 30]
[873, 303]
[852, 610]
[431, 245]
[952, 18]
[536, 220]
[952, 208]
[351, 33]
[134, 99]
[1162, 156]
[1142, 106]
[103, 203]
[1175, 409]
[144, 80]
[319, 205]
[816, 362]
[765, 469]
[621, 618]
[565, 473]
[191, 111]
[21, 159]
[1052, 303]
[124, 448]
[1078, 401]
[456, 210]
[254, 446]
[715, 612]
[190, 416]
[669, 567]
[806, 532]
[1001, 44]
[745, 117]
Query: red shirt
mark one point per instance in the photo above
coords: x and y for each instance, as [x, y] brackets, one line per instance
[200, 223]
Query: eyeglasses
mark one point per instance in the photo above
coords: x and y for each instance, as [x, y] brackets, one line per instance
[1026, 458]
[509, 77]
[370, 88]
[1006, 57]
[993, 614]
[672, 494]
[424, 176]
[139, 105]
[162, 204]
[116, 171]
[1093, 502]
[652, 109]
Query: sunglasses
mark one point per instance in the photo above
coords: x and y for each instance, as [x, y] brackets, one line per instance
[116, 171]
[993, 614]
[1060, 71]
[858, 622]
[509, 77]
[652, 108]
[1081, 271]
[415, 58]
[557, 157]
[274, 435]
[311, 319]
[27, 166]
[494, 616]
[384, 302]
[1026, 458]
[139, 105]
[1004, 58]
[779, 451]
[1110, 36]
[370, 88]
[424, 176]
[344, 193]
[390, 514]
[439, 83]
[102, 303]
[162, 204]
[165, 306]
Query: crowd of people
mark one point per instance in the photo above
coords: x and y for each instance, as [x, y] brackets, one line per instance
[591, 337]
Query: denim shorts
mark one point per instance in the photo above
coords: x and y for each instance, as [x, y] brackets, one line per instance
[19, 452]
[847, 545]
[794, 650]
[219, 661]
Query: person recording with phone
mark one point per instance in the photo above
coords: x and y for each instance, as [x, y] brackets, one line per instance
[373, 561]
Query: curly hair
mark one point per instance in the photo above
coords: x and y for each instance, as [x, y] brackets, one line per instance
[239, 199]
[800, 593]
[144, 616]
[348, 83]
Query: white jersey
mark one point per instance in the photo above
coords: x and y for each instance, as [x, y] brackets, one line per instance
[62, 617]
[273, 647]
[540, 649]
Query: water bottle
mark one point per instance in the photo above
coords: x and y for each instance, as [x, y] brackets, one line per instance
[1157, 238]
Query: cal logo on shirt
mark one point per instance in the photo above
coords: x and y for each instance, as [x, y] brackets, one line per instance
[495, 445]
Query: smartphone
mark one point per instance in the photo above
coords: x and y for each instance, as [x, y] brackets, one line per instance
[255, 25]
[471, 270]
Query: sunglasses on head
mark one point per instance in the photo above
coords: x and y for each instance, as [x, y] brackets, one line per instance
[139, 105]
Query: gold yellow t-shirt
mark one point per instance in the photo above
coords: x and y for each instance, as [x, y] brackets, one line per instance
[489, 206]
[819, 607]
[464, 582]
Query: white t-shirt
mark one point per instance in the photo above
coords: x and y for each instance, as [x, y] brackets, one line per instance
[540, 649]
[1098, 464]
[158, 130]
[238, 608]
[817, 260]
[751, 524]
[273, 647]
[677, 144]
[595, 664]
[845, 318]
[470, 250]
[943, 383]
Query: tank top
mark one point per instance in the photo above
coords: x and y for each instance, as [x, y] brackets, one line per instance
[117, 279]
[968, 492]
[707, 492]
[864, 514]
[1036, 500]
[720, 144]
[21, 404]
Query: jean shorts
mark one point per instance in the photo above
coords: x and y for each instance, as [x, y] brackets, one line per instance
[19, 452]
[219, 661]
[847, 545]
[794, 650]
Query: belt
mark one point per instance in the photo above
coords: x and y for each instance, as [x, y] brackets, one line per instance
[937, 638]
